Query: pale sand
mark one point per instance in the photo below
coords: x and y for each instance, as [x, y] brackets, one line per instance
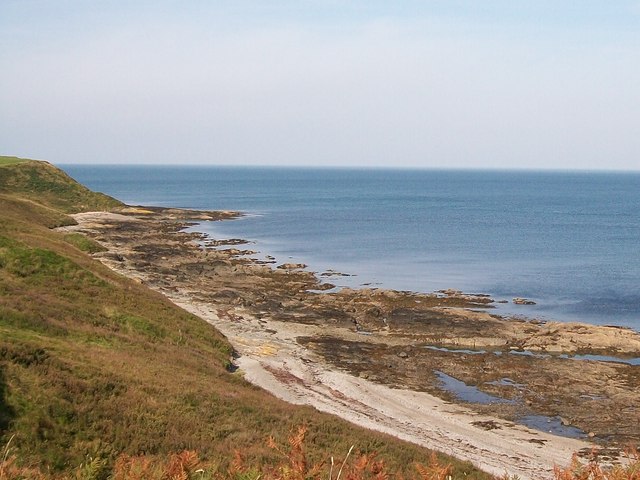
[272, 359]
[277, 363]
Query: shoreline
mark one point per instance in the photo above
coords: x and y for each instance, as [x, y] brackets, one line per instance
[504, 305]
[273, 357]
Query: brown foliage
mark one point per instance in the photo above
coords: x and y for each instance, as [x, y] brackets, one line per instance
[179, 466]
[9, 469]
[365, 466]
[593, 470]
[294, 466]
[132, 468]
[434, 470]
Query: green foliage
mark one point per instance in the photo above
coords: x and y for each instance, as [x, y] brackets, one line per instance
[37, 265]
[83, 243]
[21, 211]
[92, 469]
[4, 160]
[133, 323]
[43, 183]
[292, 464]
[28, 321]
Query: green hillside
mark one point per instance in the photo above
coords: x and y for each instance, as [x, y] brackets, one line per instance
[4, 160]
[47, 185]
[94, 365]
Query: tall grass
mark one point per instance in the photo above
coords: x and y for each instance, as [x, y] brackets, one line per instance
[292, 464]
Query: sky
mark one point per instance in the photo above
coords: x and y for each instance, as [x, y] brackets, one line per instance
[537, 84]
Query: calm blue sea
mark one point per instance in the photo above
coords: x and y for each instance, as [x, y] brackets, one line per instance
[569, 241]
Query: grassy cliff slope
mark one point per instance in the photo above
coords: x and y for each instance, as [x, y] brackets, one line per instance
[93, 364]
[47, 185]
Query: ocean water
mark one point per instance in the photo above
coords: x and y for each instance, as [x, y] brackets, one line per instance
[569, 241]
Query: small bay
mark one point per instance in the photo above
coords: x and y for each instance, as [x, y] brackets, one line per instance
[567, 240]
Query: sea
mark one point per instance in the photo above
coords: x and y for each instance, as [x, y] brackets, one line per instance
[569, 241]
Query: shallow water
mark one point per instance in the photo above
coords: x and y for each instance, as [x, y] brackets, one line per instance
[456, 350]
[471, 394]
[529, 353]
[569, 241]
[466, 393]
[597, 358]
[552, 425]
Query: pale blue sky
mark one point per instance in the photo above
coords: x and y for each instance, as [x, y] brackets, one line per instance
[450, 83]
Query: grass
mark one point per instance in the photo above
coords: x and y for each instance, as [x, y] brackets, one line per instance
[5, 160]
[26, 212]
[96, 366]
[292, 464]
[84, 243]
[45, 184]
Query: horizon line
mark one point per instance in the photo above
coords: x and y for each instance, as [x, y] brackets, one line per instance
[357, 167]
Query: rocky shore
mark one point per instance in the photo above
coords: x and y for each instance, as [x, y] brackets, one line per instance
[438, 369]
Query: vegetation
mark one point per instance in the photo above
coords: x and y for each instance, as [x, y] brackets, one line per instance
[291, 465]
[45, 184]
[594, 471]
[84, 243]
[4, 160]
[98, 371]
[102, 378]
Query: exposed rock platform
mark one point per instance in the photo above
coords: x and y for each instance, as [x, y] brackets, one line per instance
[402, 340]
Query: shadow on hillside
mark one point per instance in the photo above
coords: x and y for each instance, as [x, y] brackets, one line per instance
[6, 412]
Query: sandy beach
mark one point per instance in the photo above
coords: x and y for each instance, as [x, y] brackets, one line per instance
[271, 358]
[277, 333]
